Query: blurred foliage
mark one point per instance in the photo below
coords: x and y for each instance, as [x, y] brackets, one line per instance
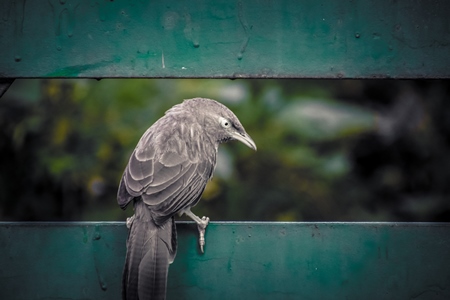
[343, 150]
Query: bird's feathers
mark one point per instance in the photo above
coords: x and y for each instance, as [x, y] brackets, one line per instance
[167, 174]
[150, 250]
[165, 162]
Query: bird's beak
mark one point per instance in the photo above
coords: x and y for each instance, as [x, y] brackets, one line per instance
[245, 139]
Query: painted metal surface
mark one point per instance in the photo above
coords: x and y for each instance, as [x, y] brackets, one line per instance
[241, 261]
[225, 39]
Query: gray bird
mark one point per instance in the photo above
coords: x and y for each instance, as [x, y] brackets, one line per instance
[166, 175]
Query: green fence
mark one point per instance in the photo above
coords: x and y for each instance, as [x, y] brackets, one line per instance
[230, 39]
[241, 261]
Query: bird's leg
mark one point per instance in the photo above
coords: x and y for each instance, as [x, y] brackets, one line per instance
[201, 226]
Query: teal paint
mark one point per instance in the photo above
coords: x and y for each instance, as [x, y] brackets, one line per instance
[84, 260]
[225, 39]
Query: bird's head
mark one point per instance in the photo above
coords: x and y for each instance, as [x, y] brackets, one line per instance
[219, 122]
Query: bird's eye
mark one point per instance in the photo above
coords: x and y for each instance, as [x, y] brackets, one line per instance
[225, 123]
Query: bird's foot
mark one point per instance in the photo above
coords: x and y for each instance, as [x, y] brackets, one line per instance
[201, 226]
[130, 221]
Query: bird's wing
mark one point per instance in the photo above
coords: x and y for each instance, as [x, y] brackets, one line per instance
[169, 176]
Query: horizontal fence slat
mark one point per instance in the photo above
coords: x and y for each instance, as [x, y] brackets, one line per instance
[225, 39]
[242, 260]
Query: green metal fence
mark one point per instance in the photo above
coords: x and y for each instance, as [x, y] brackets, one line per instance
[229, 39]
[241, 261]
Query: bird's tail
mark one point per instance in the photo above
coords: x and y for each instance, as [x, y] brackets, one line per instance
[150, 250]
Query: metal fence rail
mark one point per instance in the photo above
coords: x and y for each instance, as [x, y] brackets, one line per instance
[225, 39]
[83, 260]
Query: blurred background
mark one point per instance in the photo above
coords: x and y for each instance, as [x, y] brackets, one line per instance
[328, 150]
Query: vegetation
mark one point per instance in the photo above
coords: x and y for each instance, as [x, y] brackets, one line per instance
[327, 150]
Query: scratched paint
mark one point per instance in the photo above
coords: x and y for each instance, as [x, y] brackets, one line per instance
[64, 20]
[245, 27]
[256, 260]
[225, 39]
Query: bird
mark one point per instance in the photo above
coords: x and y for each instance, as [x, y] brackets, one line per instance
[165, 176]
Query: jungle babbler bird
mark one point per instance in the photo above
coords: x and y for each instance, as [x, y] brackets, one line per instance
[166, 175]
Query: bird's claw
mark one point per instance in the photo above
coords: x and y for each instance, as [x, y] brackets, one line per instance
[201, 229]
[130, 221]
